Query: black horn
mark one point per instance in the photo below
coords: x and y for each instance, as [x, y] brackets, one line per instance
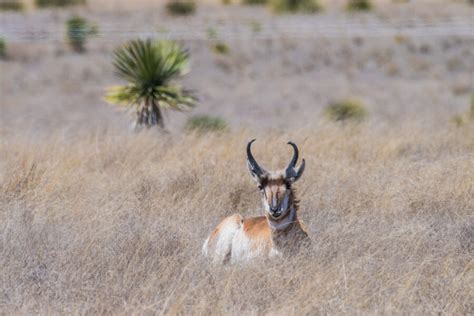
[291, 172]
[253, 165]
[294, 160]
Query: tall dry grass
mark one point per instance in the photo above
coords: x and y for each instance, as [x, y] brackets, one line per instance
[114, 223]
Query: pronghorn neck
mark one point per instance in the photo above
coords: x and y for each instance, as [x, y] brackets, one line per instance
[285, 223]
[287, 233]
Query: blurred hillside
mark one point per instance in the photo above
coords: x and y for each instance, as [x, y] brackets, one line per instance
[405, 61]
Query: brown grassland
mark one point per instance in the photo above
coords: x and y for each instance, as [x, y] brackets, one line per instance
[115, 223]
[97, 219]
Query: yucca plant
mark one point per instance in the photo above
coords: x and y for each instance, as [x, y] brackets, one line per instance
[254, 2]
[359, 5]
[151, 67]
[11, 5]
[181, 7]
[3, 48]
[77, 31]
[296, 6]
[58, 3]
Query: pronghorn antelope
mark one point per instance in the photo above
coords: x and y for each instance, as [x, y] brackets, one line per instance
[279, 232]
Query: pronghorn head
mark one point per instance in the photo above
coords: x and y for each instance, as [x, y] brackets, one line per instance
[276, 186]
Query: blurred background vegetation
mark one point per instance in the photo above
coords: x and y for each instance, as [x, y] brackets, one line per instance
[297, 56]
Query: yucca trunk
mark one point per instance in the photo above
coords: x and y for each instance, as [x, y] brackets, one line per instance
[149, 115]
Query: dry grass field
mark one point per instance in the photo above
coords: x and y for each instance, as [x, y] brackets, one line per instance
[97, 219]
[115, 223]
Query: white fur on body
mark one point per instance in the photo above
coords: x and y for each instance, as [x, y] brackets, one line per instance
[225, 240]
[231, 244]
[231, 241]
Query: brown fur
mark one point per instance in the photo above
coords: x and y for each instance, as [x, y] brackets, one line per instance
[257, 230]
[277, 232]
[256, 226]
[286, 241]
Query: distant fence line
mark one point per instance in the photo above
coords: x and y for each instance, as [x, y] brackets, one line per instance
[254, 30]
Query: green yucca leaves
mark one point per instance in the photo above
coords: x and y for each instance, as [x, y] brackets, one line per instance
[150, 68]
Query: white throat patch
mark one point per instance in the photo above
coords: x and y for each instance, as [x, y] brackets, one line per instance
[285, 222]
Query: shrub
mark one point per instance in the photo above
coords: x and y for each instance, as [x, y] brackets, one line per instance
[206, 123]
[464, 118]
[181, 7]
[255, 26]
[472, 106]
[296, 6]
[211, 33]
[58, 3]
[400, 39]
[220, 48]
[78, 30]
[254, 2]
[346, 110]
[3, 48]
[458, 120]
[11, 5]
[359, 5]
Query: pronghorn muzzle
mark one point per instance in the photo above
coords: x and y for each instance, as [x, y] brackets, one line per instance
[277, 208]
